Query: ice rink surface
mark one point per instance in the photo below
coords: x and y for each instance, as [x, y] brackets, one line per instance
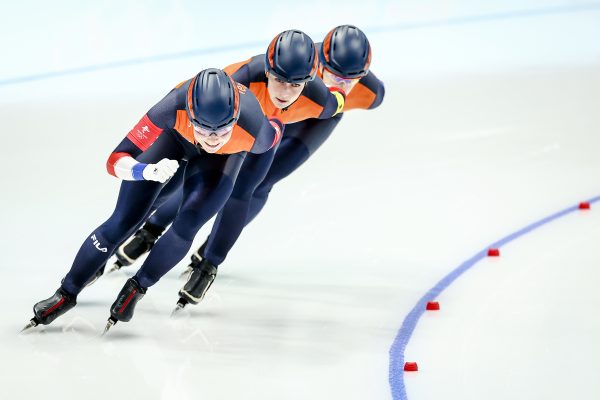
[490, 123]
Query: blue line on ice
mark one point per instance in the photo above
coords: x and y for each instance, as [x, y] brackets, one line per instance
[396, 368]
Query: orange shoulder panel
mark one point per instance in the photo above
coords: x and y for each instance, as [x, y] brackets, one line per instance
[303, 108]
[259, 89]
[359, 98]
[240, 141]
[184, 126]
[233, 68]
[181, 84]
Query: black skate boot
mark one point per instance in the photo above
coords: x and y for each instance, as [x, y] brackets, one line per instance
[196, 260]
[124, 306]
[200, 280]
[138, 245]
[53, 307]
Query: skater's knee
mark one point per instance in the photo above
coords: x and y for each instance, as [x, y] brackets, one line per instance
[262, 191]
[243, 192]
[119, 227]
[187, 224]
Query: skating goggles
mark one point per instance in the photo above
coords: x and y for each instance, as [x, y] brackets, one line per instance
[202, 131]
[339, 80]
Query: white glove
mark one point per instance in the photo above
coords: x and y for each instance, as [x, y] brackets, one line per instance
[161, 171]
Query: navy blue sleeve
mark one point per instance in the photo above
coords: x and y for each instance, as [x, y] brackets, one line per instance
[159, 118]
[252, 70]
[265, 139]
[242, 75]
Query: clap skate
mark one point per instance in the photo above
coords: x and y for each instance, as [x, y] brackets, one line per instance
[124, 306]
[196, 260]
[53, 307]
[138, 245]
[201, 278]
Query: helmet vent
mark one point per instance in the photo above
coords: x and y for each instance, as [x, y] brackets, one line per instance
[284, 57]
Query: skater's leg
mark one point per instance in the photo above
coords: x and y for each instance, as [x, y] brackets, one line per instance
[230, 220]
[303, 140]
[206, 189]
[247, 201]
[133, 207]
[165, 214]
[144, 239]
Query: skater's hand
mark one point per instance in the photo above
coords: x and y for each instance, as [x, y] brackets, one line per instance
[161, 171]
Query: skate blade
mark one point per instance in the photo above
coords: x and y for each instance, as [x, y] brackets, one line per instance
[109, 324]
[32, 324]
[185, 274]
[116, 266]
[177, 310]
[181, 303]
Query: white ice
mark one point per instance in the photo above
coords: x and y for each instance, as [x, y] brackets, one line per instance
[487, 126]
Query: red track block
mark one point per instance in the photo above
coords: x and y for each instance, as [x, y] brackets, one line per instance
[584, 205]
[493, 253]
[433, 306]
[411, 366]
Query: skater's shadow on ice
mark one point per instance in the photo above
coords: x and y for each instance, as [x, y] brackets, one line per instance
[223, 279]
[84, 333]
[121, 335]
[81, 330]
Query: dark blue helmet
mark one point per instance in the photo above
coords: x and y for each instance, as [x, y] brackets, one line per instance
[346, 52]
[292, 57]
[213, 100]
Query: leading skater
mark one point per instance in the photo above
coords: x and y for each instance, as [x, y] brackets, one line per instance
[211, 122]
